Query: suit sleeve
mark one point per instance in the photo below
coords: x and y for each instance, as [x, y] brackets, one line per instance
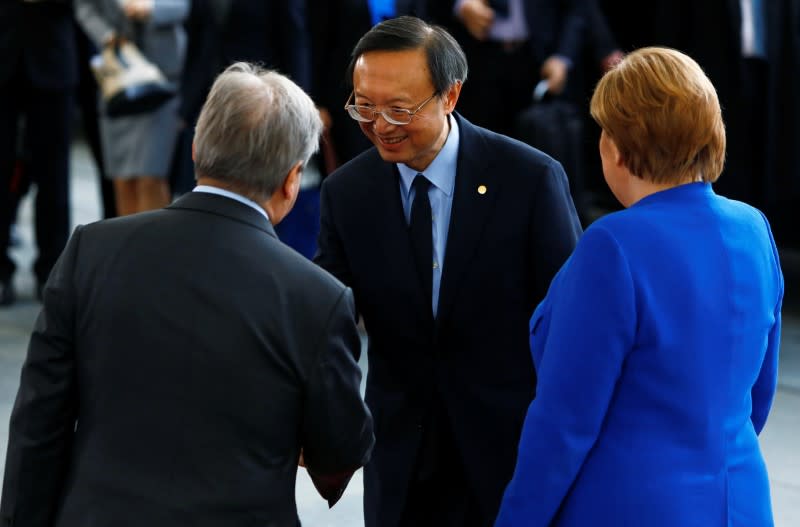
[92, 21]
[572, 32]
[291, 26]
[44, 415]
[555, 227]
[330, 252]
[599, 37]
[763, 391]
[337, 430]
[195, 77]
[321, 31]
[325, 30]
[577, 375]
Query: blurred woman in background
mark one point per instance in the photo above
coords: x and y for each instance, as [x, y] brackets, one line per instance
[138, 148]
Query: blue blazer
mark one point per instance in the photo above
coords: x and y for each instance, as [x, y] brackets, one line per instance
[503, 248]
[657, 350]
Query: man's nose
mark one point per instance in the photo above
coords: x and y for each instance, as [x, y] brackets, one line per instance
[380, 123]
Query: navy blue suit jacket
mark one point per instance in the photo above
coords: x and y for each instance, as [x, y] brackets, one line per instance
[503, 248]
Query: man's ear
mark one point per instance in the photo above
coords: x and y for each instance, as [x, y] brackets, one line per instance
[291, 185]
[284, 197]
[450, 97]
[192, 151]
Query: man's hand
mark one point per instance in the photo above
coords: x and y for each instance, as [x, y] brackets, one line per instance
[138, 10]
[555, 71]
[477, 17]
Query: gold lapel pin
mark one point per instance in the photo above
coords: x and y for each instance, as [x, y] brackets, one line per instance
[482, 190]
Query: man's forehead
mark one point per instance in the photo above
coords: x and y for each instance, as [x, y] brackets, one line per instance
[401, 62]
[402, 69]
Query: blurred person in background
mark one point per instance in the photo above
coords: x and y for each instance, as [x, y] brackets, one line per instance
[86, 98]
[511, 45]
[38, 74]
[138, 148]
[273, 33]
[87, 91]
[750, 49]
[221, 32]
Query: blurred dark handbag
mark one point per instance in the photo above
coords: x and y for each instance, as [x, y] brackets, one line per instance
[555, 127]
[129, 83]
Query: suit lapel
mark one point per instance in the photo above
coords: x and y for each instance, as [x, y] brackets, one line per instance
[387, 213]
[476, 190]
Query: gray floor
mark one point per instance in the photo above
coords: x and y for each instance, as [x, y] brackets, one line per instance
[779, 440]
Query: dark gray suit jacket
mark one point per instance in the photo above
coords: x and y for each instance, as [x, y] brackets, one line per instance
[182, 359]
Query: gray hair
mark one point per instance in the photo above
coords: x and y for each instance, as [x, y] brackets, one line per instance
[255, 125]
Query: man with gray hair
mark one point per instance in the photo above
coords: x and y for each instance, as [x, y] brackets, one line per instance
[185, 359]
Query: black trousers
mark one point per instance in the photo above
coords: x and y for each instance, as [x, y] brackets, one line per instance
[47, 138]
[439, 494]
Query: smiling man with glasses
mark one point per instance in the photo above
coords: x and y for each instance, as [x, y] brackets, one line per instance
[402, 105]
[449, 235]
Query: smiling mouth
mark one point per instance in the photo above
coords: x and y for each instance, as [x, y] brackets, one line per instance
[391, 140]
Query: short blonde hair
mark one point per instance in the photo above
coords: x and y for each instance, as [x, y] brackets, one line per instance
[663, 114]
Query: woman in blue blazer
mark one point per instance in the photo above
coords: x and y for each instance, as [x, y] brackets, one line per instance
[657, 344]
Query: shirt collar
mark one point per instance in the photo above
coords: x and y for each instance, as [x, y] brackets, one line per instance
[442, 170]
[232, 195]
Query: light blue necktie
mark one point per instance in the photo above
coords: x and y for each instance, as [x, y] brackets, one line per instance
[381, 10]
